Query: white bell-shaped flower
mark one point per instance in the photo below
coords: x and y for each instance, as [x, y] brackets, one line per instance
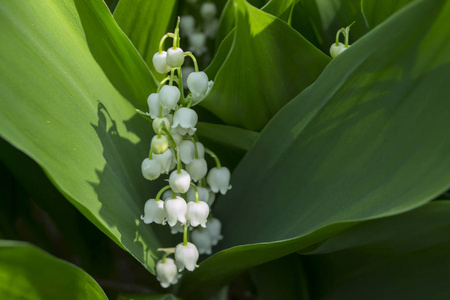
[200, 150]
[203, 194]
[197, 213]
[160, 124]
[211, 198]
[187, 25]
[335, 50]
[197, 43]
[219, 180]
[187, 151]
[199, 97]
[153, 106]
[214, 228]
[159, 144]
[166, 272]
[175, 57]
[184, 121]
[208, 11]
[186, 256]
[180, 182]
[197, 169]
[151, 169]
[210, 28]
[202, 240]
[159, 62]
[169, 96]
[177, 228]
[165, 159]
[197, 83]
[175, 209]
[154, 212]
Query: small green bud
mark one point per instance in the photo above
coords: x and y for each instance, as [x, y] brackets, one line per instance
[159, 144]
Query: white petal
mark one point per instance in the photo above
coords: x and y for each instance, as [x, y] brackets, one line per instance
[159, 62]
[180, 182]
[175, 57]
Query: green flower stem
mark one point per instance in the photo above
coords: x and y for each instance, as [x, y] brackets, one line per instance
[160, 112]
[161, 84]
[172, 71]
[185, 238]
[180, 85]
[195, 192]
[213, 155]
[188, 53]
[195, 146]
[150, 153]
[178, 161]
[347, 34]
[161, 191]
[161, 43]
[169, 135]
[176, 40]
[342, 30]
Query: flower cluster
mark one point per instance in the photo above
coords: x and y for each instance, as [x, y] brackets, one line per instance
[337, 48]
[185, 204]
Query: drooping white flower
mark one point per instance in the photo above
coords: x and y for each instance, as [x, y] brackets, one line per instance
[197, 43]
[184, 121]
[160, 124]
[159, 144]
[197, 169]
[214, 228]
[175, 209]
[166, 272]
[197, 83]
[179, 182]
[199, 97]
[203, 194]
[211, 198]
[175, 57]
[165, 159]
[159, 62]
[186, 256]
[187, 25]
[169, 96]
[208, 11]
[335, 50]
[202, 240]
[187, 151]
[154, 212]
[153, 106]
[177, 228]
[197, 213]
[219, 180]
[210, 28]
[151, 169]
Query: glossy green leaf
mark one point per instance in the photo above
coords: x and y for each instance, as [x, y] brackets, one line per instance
[355, 145]
[255, 80]
[26, 272]
[145, 22]
[376, 11]
[69, 82]
[228, 136]
[400, 257]
[319, 20]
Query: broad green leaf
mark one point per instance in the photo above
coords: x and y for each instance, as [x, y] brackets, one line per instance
[319, 20]
[376, 11]
[400, 257]
[69, 82]
[353, 146]
[145, 22]
[283, 278]
[255, 80]
[26, 272]
[229, 136]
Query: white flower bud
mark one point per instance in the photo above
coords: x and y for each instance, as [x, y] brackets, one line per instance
[151, 169]
[187, 25]
[214, 228]
[197, 169]
[166, 272]
[211, 198]
[184, 121]
[175, 57]
[208, 11]
[210, 28]
[165, 159]
[175, 209]
[159, 62]
[160, 123]
[203, 194]
[177, 228]
[179, 182]
[153, 106]
[197, 213]
[200, 150]
[169, 96]
[335, 50]
[187, 151]
[197, 43]
[186, 256]
[202, 240]
[154, 212]
[159, 144]
[219, 180]
[197, 83]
